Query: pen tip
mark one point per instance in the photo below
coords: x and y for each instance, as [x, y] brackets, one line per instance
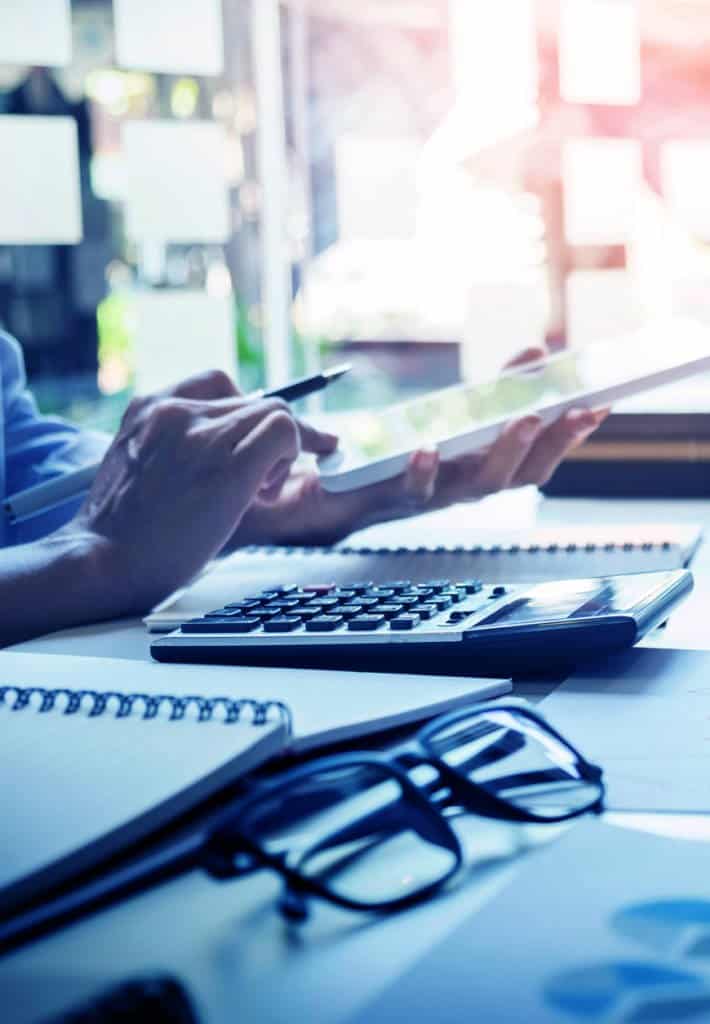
[337, 371]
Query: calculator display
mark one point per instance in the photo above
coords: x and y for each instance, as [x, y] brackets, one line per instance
[572, 600]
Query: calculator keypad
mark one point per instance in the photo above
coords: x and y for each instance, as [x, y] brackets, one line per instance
[397, 607]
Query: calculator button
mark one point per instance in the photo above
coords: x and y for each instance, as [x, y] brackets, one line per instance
[498, 591]
[379, 592]
[442, 603]
[366, 623]
[424, 611]
[348, 611]
[322, 602]
[220, 626]
[453, 595]
[225, 613]
[324, 624]
[343, 593]
[407, 600]
[282, 624]
[319, 588]
[405, 622]
[399, 585]
[243, 605]
[390, 611]
[367, 602]
[361, 586]
[438, 584]
[458, 616]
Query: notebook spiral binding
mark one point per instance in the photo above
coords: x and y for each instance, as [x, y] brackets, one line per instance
[95, 703]
[461, 549]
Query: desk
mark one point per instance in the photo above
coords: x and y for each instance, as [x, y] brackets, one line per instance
[226, 942]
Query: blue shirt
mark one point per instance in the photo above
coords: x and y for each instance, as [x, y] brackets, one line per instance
[35, 448]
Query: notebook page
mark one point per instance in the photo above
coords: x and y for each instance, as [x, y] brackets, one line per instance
[495, 557]
[76, 789]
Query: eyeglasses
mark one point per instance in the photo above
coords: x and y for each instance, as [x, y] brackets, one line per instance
[373, 832]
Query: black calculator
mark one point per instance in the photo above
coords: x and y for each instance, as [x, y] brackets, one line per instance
[443, 627]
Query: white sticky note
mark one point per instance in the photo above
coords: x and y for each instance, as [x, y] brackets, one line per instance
[601, 180]
[36, 32]
[494, 53]
[600, 51]
[685, 174]
[171, 36]
[176, 181]
[376, 184]
[180, 333]
[600, 304]
[40, 202]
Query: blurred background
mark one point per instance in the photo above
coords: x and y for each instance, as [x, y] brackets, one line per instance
[422, 187]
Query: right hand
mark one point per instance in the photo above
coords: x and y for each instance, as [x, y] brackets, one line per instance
[177, 479]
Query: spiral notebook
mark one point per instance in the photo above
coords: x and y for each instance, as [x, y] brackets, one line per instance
[523, 556]
[97, 754]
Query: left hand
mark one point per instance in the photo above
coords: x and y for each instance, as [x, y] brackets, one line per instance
[525, 453]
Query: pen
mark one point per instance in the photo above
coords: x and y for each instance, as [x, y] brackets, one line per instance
[45, 496]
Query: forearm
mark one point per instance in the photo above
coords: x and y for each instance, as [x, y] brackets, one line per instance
[57, 582]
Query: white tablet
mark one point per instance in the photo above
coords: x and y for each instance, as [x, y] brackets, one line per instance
[376, 444]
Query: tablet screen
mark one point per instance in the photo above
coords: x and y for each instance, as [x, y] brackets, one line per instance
[376, 434]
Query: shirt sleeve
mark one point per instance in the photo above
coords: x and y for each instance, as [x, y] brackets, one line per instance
[38, 447]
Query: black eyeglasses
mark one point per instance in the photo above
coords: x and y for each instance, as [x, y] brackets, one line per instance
[373, 832]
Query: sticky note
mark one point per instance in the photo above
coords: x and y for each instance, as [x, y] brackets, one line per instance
[601, 304]
[40, 201]
[175, 181]
[601, 180]
[35, 32]
[171, 36]
[600, 51]
[685, 173]
[180, 333]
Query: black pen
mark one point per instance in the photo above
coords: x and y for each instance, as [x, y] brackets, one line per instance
[45, 496]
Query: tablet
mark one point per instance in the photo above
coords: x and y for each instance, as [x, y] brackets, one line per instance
[376, 444]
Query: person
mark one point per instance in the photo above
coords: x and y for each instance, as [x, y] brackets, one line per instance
[193, 471]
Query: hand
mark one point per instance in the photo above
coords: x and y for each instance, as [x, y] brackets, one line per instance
[525, 453]
[181, 472]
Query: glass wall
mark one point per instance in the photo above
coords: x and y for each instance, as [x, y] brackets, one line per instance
[423, 187]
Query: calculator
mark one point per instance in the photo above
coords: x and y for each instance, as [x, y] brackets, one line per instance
[444, 627]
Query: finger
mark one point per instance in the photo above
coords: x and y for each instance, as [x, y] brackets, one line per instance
[507, 455]
[319, 442]
[275, 479]
[272, 439]
[207, 386]
[230, 428]
[555, 443]
[419, 480]
[532, 354]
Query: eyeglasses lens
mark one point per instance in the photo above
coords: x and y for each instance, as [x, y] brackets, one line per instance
[517, 759]
[355, 831]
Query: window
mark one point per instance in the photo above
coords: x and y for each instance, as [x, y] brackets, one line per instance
[421, 186]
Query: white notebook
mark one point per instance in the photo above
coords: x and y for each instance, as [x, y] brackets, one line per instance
[519, 556]
[96, 753]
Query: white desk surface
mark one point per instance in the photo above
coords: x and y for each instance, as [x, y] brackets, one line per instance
[226, 942]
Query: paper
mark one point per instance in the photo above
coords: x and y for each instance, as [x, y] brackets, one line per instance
[600, 51]
[176, 181]
[645, 718]
[35, 32]
[40, 201]
[604, 926]
[601, 180]
[180, 37]
[180, 333]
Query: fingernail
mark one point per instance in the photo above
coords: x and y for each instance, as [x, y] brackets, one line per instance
[529, 428]
[581, 420]
[426, 458]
